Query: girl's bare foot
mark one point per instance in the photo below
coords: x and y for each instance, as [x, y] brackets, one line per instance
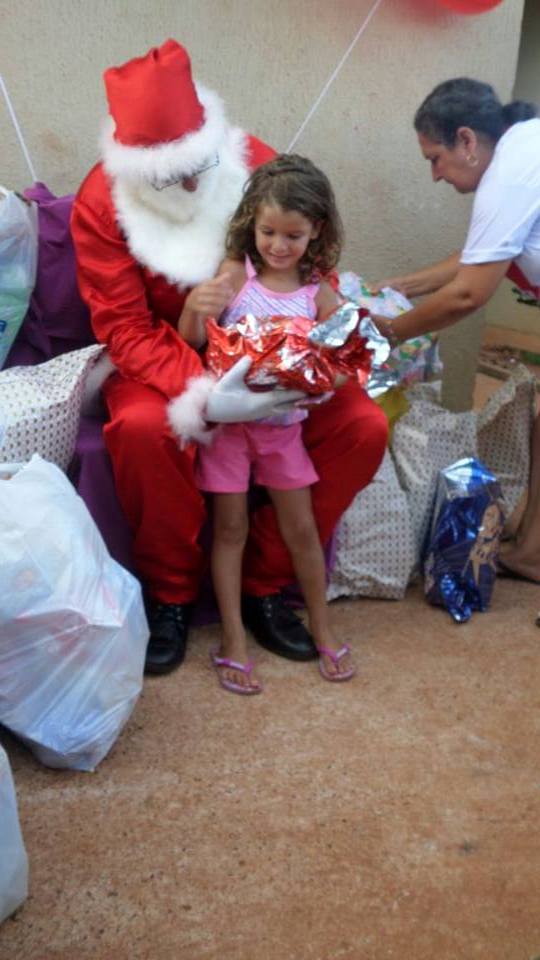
[341, 663]
[237, 670]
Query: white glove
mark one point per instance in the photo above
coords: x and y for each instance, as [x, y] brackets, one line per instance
[231, 400]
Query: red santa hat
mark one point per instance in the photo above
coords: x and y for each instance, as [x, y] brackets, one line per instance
[162, 125]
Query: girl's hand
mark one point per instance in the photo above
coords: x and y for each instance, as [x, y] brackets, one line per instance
[211, 297]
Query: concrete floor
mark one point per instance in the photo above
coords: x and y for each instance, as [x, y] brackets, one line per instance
[395, 816]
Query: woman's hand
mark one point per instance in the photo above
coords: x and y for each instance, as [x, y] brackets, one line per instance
[407, 285]
[385, 326]
[422, 282]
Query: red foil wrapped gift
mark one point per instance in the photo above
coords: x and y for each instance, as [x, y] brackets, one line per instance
[292, 352]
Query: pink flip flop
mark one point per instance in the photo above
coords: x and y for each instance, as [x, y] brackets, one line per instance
[335, 656]
[234, 665]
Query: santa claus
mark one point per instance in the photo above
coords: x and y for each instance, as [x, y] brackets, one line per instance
[149, 223]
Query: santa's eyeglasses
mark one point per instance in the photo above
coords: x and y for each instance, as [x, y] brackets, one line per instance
[163, 184]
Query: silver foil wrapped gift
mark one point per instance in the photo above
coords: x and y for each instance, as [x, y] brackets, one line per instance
[410, 362]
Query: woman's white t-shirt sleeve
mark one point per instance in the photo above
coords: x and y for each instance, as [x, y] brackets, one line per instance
[501, 222]
[505, 219]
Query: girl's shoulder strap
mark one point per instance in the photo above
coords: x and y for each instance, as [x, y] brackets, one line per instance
[251, 272]
[312, 289]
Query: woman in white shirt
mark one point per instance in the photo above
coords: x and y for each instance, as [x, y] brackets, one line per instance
[480, 146]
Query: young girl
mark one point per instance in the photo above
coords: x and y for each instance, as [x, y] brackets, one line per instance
[285, 235]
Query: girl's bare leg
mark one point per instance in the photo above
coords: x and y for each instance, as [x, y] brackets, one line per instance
[299, 531]
[230, 535]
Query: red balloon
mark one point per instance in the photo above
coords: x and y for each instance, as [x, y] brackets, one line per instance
[470, 6]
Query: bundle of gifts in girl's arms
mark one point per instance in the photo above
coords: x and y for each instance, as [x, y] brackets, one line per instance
[293, 353]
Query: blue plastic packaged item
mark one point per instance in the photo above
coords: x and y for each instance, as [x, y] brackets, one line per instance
[460, 564]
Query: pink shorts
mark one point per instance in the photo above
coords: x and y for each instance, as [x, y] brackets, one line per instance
[272, 456]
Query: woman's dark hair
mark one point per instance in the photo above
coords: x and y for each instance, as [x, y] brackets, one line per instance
[468, 103]
[294, 184]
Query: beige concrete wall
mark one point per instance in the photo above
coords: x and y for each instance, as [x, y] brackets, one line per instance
[527, 85]
[269, 61]
[504, 310]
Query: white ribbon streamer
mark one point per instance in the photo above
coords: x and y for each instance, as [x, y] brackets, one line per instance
[18, 130]
[331, 79]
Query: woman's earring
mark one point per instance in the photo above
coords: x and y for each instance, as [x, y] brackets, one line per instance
[472, 160]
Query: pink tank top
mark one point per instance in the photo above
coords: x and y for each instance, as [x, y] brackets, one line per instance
[256, 299]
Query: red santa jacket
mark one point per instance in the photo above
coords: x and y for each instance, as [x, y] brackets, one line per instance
[133, 311]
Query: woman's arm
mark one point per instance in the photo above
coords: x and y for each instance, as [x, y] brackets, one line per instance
[423, 281]
[470, 289]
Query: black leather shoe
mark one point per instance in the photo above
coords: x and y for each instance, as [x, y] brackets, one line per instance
[169, 624]
[277, 628]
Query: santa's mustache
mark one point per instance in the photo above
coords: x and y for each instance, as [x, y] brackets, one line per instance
[174, 202]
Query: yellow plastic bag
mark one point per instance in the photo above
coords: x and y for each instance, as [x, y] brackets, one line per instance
[394, 404]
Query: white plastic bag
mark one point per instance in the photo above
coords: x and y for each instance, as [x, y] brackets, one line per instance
[18, 263]
[13, 859]
[73, 631]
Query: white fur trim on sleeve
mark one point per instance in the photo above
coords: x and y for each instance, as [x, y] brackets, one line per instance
[186, 412]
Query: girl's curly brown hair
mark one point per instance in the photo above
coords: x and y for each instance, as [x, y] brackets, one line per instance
[294, 184]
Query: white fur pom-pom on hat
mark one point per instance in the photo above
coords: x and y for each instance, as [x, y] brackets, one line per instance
[186, 413]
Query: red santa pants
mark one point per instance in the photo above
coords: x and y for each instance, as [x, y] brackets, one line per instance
[345, 437]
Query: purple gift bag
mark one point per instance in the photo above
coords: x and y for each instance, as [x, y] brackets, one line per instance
[58, 321]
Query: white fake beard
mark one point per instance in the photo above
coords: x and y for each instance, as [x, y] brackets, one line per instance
[180, 234]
